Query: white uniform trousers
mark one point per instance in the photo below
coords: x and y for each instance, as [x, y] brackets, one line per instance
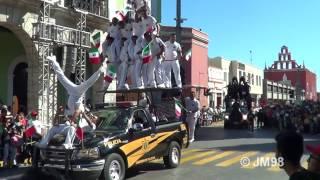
[64, 129]
[154, 72]
[169, 65]
[192, 121]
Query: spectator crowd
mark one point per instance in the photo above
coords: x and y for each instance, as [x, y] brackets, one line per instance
[17, 133]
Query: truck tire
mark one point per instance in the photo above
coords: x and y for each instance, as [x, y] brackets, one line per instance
[114, 167]
[172, 159]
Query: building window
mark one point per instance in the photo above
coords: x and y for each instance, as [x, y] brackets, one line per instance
[257, 80]
[290, 65]
[239, 74]
[248, 78]
[244, 74]
[269, 88]
[278, 66]
[225, 76]
[252, 78]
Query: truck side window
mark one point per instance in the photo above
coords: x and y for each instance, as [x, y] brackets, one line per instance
[139, 116]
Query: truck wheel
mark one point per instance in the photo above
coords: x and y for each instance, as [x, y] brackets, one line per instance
[172, 159]
[114, 167]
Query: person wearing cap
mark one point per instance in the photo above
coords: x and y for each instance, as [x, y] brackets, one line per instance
[153, 76]
[171, 62]
[149, 23]
[36, 123]
[314, 158]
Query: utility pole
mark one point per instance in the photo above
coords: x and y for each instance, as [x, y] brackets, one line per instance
[179, 21]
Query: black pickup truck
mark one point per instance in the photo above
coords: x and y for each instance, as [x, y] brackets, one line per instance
[124, 137]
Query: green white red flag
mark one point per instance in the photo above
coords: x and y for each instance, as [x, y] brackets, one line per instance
[94, 56]
[146, 54]
[96, 39]
[111, 73]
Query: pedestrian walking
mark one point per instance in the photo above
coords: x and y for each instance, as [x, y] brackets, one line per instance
[193, 107]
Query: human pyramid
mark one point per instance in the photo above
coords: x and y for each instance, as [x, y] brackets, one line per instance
[134, 51]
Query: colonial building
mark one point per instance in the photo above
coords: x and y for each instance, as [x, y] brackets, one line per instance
[232, 68]
[217, 85]
[286, 68]
[194, 72]
[278, 92]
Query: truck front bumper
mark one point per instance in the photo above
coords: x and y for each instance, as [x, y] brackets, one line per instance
[77, 171]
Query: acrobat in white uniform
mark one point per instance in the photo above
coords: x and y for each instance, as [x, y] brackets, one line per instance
[75, 92]
[75, 102]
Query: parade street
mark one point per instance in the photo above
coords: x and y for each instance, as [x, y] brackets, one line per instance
[215, 155]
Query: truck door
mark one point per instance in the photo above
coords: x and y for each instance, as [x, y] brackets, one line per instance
[139, 137]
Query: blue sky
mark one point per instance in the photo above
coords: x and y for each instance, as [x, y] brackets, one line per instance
[237, 26]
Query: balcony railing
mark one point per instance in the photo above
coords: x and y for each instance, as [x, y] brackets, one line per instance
[60, 34]
[95, 7]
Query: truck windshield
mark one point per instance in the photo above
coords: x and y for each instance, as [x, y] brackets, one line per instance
[113, 119]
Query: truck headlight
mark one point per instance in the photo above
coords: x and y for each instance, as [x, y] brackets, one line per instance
[226, 117]
[92, 153]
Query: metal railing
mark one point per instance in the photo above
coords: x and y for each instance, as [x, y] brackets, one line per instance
[60, 34]
[95, 7]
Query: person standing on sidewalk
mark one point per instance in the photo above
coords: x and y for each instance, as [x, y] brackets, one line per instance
[193, 106]
[171, 62]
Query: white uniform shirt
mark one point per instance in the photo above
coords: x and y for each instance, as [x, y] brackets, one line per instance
[110, 52]
[192, 105]
[131, 50]
[155, 46]
[137, 28]
[124, 53]
[149, 23]
[172, 49]
[138, 48]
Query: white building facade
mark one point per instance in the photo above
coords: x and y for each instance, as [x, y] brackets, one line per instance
[232, 68]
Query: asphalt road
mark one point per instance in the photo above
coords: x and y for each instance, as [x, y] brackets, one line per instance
[215, 155]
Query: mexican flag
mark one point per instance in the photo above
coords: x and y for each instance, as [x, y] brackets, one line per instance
[81, 124]
[94, 56]
[96, 39]
[146, 54]
[178, 107]
[111, 73]
[188, 55]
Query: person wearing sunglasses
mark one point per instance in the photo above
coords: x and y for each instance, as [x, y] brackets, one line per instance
[314, 158]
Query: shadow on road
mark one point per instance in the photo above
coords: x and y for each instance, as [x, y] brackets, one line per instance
[145, 168]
